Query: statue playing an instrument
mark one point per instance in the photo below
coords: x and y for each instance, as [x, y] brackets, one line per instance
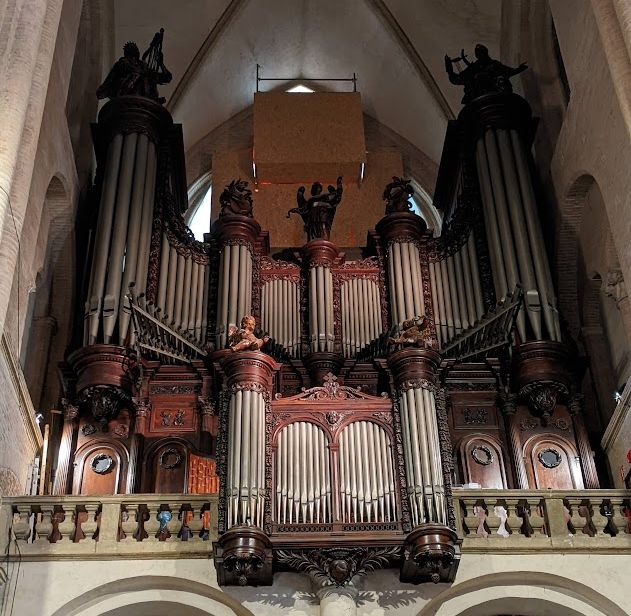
[132, 75]
[243, 338]
[236, 199]
[483, 76]
[318, 211]
[414, 332]
[397, 195]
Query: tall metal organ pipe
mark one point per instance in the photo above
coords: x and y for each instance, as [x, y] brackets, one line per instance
[513, 228]
[361, 314]
[456, 290]
[415, 371]
[124, 226]
[280, 313]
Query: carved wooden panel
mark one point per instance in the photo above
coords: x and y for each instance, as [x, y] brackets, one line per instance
[552, 462]
[172, 418]
[202, 475]
[100, 470]
[169, 463]
[482, 462]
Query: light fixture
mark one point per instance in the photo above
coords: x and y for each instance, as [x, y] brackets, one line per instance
[300, 89]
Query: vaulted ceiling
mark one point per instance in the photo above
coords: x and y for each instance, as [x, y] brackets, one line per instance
[396, 48]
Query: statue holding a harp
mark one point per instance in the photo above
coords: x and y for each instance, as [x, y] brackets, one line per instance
[133, 75]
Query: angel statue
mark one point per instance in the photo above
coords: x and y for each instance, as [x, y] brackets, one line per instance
[132, 75]
[414, 332]
[483, 76]
[243, 338]
[397, 195]
[318, 211]
[236, 199]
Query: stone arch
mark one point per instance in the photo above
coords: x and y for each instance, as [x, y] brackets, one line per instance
[47, 322]
[128, 596]
[560, 596]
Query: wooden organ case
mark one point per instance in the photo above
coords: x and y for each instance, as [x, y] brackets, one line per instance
[386, 379]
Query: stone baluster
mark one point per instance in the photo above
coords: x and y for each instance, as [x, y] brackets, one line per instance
[151, 523]
[89, 527]
[68, 524]
[22, 524]
[175, 524]
[535, 518]
[578, 516]
[129, 522]
[44, 526]
[619, 517]
[515, 517]
[599, 522]
[195, 523]
[471, 518]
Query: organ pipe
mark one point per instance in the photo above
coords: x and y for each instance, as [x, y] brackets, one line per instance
[280, 313]
[514, 232]
[361, 314]
[366, 474]
[456, 291]
[421, 448]
[246, 491]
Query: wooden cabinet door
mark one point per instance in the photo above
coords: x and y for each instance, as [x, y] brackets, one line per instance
[554, 466]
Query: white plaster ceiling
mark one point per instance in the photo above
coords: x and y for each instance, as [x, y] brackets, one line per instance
[396, 47]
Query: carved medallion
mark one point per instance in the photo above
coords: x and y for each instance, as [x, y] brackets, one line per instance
[549, 457]
[482, 455]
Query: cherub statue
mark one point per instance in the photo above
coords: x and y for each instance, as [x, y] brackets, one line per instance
[397, 195]
[243, 338]
[318, 211]
[414, 332]
[483, 76]
[132, 75]
[236, 199]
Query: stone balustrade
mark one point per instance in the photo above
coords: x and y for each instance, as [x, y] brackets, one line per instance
[184, 526]
[143, 525]
[553, 520]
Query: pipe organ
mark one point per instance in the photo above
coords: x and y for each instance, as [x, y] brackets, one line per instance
[334, 400]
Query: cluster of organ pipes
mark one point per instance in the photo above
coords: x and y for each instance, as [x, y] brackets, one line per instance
[280, 313]
[321, 326]
[303, 475]
[182, 299]
[424, 475]
[366, 472]
[456, 291]
[246, 458]
[361, 314]
[123, 236]
[235, 288]
[406, 283]
[513, 231]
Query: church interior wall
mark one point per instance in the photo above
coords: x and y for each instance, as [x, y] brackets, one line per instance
[96, 587]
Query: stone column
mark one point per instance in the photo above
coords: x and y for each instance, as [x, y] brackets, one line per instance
[324, 356]
[236, 238]
[28, 31]
[63, 476]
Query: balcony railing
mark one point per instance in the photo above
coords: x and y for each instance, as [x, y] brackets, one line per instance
[166, 525]
[146, 525]
[553, 520]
